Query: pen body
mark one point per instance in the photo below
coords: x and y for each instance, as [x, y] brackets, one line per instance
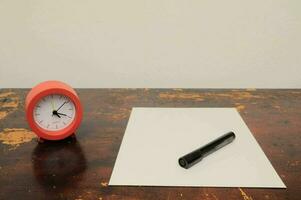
[197, 155]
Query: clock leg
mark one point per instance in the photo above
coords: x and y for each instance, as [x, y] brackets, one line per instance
[41, 140]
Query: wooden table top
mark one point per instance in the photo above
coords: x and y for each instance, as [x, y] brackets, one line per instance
[80, 168]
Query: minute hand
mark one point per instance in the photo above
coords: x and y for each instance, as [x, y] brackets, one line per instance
[61, 106]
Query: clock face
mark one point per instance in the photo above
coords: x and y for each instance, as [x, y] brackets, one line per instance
[54, 112]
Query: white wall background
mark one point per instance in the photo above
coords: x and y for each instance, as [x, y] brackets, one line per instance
[151, 43]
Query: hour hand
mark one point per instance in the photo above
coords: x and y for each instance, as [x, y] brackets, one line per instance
[63, 114]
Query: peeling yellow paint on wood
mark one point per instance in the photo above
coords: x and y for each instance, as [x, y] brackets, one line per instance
[14, 137]
[294, 163]
[214, 197]
[9, 102]
[120, 115]
[6, 94]
[12, 104]
[235, 95]
[244, 195]
[104, 184]
[130, 98]
[240, 107]
[193, 96]
[3, 114]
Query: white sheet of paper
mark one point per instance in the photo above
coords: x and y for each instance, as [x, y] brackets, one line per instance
[156, 137]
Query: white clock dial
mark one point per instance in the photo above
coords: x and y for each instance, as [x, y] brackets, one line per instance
[54, 112]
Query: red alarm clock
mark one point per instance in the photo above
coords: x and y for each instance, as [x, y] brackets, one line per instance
[53, 110]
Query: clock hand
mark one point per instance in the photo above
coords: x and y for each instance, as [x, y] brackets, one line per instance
[52, 103]
[61, 106]
[63, 114]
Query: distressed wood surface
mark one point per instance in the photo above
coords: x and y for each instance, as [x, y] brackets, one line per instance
[80, 168]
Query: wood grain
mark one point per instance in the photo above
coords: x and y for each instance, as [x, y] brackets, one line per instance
[80, 168]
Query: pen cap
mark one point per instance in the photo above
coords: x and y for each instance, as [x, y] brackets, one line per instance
[190, 159]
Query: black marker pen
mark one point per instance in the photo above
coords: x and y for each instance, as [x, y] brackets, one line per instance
[197, 155]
